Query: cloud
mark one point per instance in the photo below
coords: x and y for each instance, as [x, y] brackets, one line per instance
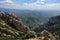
[43, 1]
[52, 6]
[9, 1]
[34, 5]
[6, 1]
[37, 5]
[9, 4]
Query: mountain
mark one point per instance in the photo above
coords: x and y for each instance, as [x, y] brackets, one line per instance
[32, 18]
[11, 27]
[53, 26]
[35, 18]
[13, 20]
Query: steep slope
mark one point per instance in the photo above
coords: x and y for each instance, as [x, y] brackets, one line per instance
[44, 35]
[33, 19]
[53, 26]
[13, 21]
[11, 26]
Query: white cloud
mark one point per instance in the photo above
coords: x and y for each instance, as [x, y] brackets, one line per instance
[38, 5]
[9, 4]
[35, 5]
[9, 1]
[54, 6]
[43, 1]
[40, 1]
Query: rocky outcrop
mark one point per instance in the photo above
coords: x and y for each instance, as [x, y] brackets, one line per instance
[48, 35]
[14, 22]
[53, 26]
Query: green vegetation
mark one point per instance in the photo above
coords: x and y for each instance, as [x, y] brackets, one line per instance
[33, 20]
[9, 30]
[53, 26]
[55, 29]
[30, 35]
[39, 34]
[12, 28]
[8, 33]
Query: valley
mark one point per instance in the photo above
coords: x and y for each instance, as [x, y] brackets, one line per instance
[29, 25]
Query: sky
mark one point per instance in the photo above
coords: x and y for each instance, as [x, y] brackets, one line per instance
[30, 4]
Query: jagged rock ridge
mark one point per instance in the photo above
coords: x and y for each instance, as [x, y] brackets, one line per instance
[13, 21]
[11, 25]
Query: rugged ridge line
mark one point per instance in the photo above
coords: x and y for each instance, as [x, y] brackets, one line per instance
[14, 21]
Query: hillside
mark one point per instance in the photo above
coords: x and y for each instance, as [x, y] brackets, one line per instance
[11, 27]
[53, 26]
[32, 18]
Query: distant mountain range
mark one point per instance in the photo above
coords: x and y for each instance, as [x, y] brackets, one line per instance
[20, 11]
[46, 26]
[32, 18]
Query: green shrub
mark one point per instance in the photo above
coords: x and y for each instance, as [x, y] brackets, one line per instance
[30, 35]
[39, 34]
